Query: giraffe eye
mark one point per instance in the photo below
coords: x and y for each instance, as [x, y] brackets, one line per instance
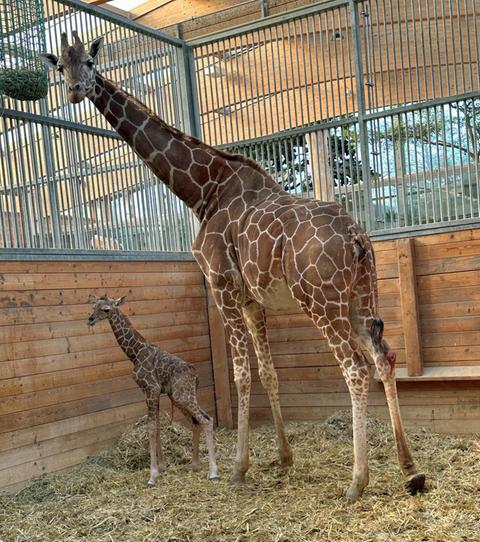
[60, 69]
[90, 63]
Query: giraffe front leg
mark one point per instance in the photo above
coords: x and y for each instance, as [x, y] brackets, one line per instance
[229, 300]
[153, 438]
[255, 318]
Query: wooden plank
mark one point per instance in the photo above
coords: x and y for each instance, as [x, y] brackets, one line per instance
[56, 330]
[65, 345]
[26, 437]
[70, 458]
[103, 266]
[51, 413]
[27, 315]
[457, 263]
[459, 372]
[73, 360]
[449, 280]
[218, 347]
[47, 281]
[19, 386]
[409, 305]
[452, 324]
[36, 298]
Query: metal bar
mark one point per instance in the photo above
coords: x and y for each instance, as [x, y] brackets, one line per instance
[113, 17]
[191, 93]
[58, 123]
[363, 125]
[92, 255]
[270, 21]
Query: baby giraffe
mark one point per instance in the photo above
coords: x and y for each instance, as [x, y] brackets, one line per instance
[157, 372]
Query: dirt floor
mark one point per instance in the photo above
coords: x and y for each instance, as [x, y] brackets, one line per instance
[107, 499]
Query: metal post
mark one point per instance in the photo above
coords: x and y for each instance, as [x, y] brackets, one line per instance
[188, 91]
[264, 8]
[51, 180]
[362, 111]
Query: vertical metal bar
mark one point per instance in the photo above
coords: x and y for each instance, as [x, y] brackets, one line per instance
[264, 92]
[227, 102]
[52, 189]
[4, 214]
[361, 114]
[251, 99]
[187, 75]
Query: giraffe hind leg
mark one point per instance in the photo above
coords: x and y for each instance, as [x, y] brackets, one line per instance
[200, 420]
[369, 330]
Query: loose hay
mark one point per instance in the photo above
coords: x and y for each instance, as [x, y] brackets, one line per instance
[107, 498]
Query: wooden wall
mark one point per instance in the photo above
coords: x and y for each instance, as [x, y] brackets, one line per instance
[446, 397]
[65, 389]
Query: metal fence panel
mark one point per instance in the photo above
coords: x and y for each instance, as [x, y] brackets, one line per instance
[377, 101]
[67, 181]
[374, 104]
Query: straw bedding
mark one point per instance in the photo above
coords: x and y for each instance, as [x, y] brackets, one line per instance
[107, 499]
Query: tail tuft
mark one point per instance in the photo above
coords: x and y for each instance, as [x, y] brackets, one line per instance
[376, 331]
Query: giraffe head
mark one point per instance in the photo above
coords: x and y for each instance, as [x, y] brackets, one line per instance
[103, 308]
[76, 65]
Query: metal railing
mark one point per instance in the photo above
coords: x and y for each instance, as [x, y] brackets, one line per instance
[374, 104]
[67, 181]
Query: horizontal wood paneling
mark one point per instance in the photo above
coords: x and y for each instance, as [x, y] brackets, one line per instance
[66, 389]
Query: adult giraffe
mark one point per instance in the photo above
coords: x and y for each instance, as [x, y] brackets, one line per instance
[260, 247]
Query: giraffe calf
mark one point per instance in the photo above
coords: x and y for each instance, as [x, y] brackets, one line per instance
[156, 372]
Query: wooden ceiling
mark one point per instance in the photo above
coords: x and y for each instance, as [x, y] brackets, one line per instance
[200, 17]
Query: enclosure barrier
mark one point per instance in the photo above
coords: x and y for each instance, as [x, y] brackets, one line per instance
[373, 104]
[67, 181]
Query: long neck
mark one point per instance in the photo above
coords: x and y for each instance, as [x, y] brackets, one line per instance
[127, 336]
[190, 168]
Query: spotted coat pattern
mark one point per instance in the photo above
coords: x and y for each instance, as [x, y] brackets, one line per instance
[158, 372]
[259, 248]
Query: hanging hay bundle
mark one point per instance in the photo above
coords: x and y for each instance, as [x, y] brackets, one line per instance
[22, 34]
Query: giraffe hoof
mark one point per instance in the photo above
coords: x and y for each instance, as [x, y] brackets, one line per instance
[214, 478]
[416, 483]
[151, 482]
[286, 462]
[195, 467]
[353, 494]
[237, 479]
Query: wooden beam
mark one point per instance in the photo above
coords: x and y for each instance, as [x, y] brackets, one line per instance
[409, 306]
[440, 373]
[221, 380]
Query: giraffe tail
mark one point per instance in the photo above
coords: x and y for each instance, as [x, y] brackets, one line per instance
[380, 344]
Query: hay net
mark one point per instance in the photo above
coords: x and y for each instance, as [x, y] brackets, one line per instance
[22, 37]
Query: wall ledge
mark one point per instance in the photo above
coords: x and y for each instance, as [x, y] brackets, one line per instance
[429, 374]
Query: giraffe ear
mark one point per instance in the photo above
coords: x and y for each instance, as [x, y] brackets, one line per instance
[120, 301]
[49, 60]
[95, 47]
